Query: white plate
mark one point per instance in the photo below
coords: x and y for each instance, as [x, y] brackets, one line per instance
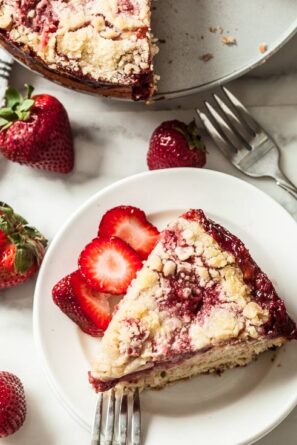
[240, 406]
[183, 27]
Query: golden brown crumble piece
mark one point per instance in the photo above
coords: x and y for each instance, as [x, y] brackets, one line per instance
[229, 40]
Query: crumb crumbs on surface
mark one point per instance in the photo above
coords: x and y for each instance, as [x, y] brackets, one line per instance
[263, 48]
[229, 40]
[215, 29]
[279, 365]
[206, 57]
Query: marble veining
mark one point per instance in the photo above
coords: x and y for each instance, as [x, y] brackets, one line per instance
[111, 139]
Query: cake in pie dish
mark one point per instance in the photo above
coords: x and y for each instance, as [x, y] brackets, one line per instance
[95, 45]
[200, 304]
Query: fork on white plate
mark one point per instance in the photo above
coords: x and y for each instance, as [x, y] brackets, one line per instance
[117, 419]
[242, 140]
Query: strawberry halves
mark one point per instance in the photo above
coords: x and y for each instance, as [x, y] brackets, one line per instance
[22, 248]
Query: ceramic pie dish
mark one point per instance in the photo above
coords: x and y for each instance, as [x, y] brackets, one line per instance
[214, 44]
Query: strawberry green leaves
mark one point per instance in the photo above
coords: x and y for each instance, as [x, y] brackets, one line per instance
[28, 241]
[191, 134]
[17, 107]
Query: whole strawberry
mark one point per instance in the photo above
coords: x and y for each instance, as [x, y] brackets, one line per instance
[22, 248]
[35, 131]
[176, 144]
[12, 404]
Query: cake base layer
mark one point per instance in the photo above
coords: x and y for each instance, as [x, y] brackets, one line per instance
[216, 359]
[64, 79]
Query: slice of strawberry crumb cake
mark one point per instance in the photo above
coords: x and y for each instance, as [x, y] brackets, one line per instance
[199, 304]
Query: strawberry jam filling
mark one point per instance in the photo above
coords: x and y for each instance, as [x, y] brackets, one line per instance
[128, 6]
[144, 83]
[262, 290]
[186, 298]
[38, 15]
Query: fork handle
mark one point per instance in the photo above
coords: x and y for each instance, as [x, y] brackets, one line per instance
[286, 184]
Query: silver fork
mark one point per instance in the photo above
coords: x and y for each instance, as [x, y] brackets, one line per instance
[241, 139]
[6, 62]
[115, 422]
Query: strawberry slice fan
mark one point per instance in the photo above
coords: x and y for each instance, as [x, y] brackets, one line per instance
[107, 265]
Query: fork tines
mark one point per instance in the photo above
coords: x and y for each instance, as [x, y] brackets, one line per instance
[117, 419]
[242, 140]
[6, 63]
[5, 70]
[231, 126]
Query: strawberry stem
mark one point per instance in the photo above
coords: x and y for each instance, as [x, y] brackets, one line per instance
[17, 107]
[192, 136]
[28, 241]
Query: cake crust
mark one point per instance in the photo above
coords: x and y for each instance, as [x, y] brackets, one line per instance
[215, 360]
[199, 292]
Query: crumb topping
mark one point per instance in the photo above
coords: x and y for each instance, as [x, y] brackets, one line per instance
[229, 40]
[263, 48]
[206, 57]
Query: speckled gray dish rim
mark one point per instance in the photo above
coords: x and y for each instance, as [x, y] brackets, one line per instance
[245, 68]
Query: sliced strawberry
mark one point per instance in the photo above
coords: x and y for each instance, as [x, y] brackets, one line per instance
[130, 224]
[94, 304]
[109, 265]
[82, 304]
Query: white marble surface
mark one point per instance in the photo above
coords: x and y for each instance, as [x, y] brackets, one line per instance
[111, 141]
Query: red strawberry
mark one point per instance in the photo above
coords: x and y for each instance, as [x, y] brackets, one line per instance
[130, 224]
[36, 131]
[94, 304]
[176, 144]
[12, 404]
[22, 248]
[3, 240]
[109, 264]
[89, 309]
